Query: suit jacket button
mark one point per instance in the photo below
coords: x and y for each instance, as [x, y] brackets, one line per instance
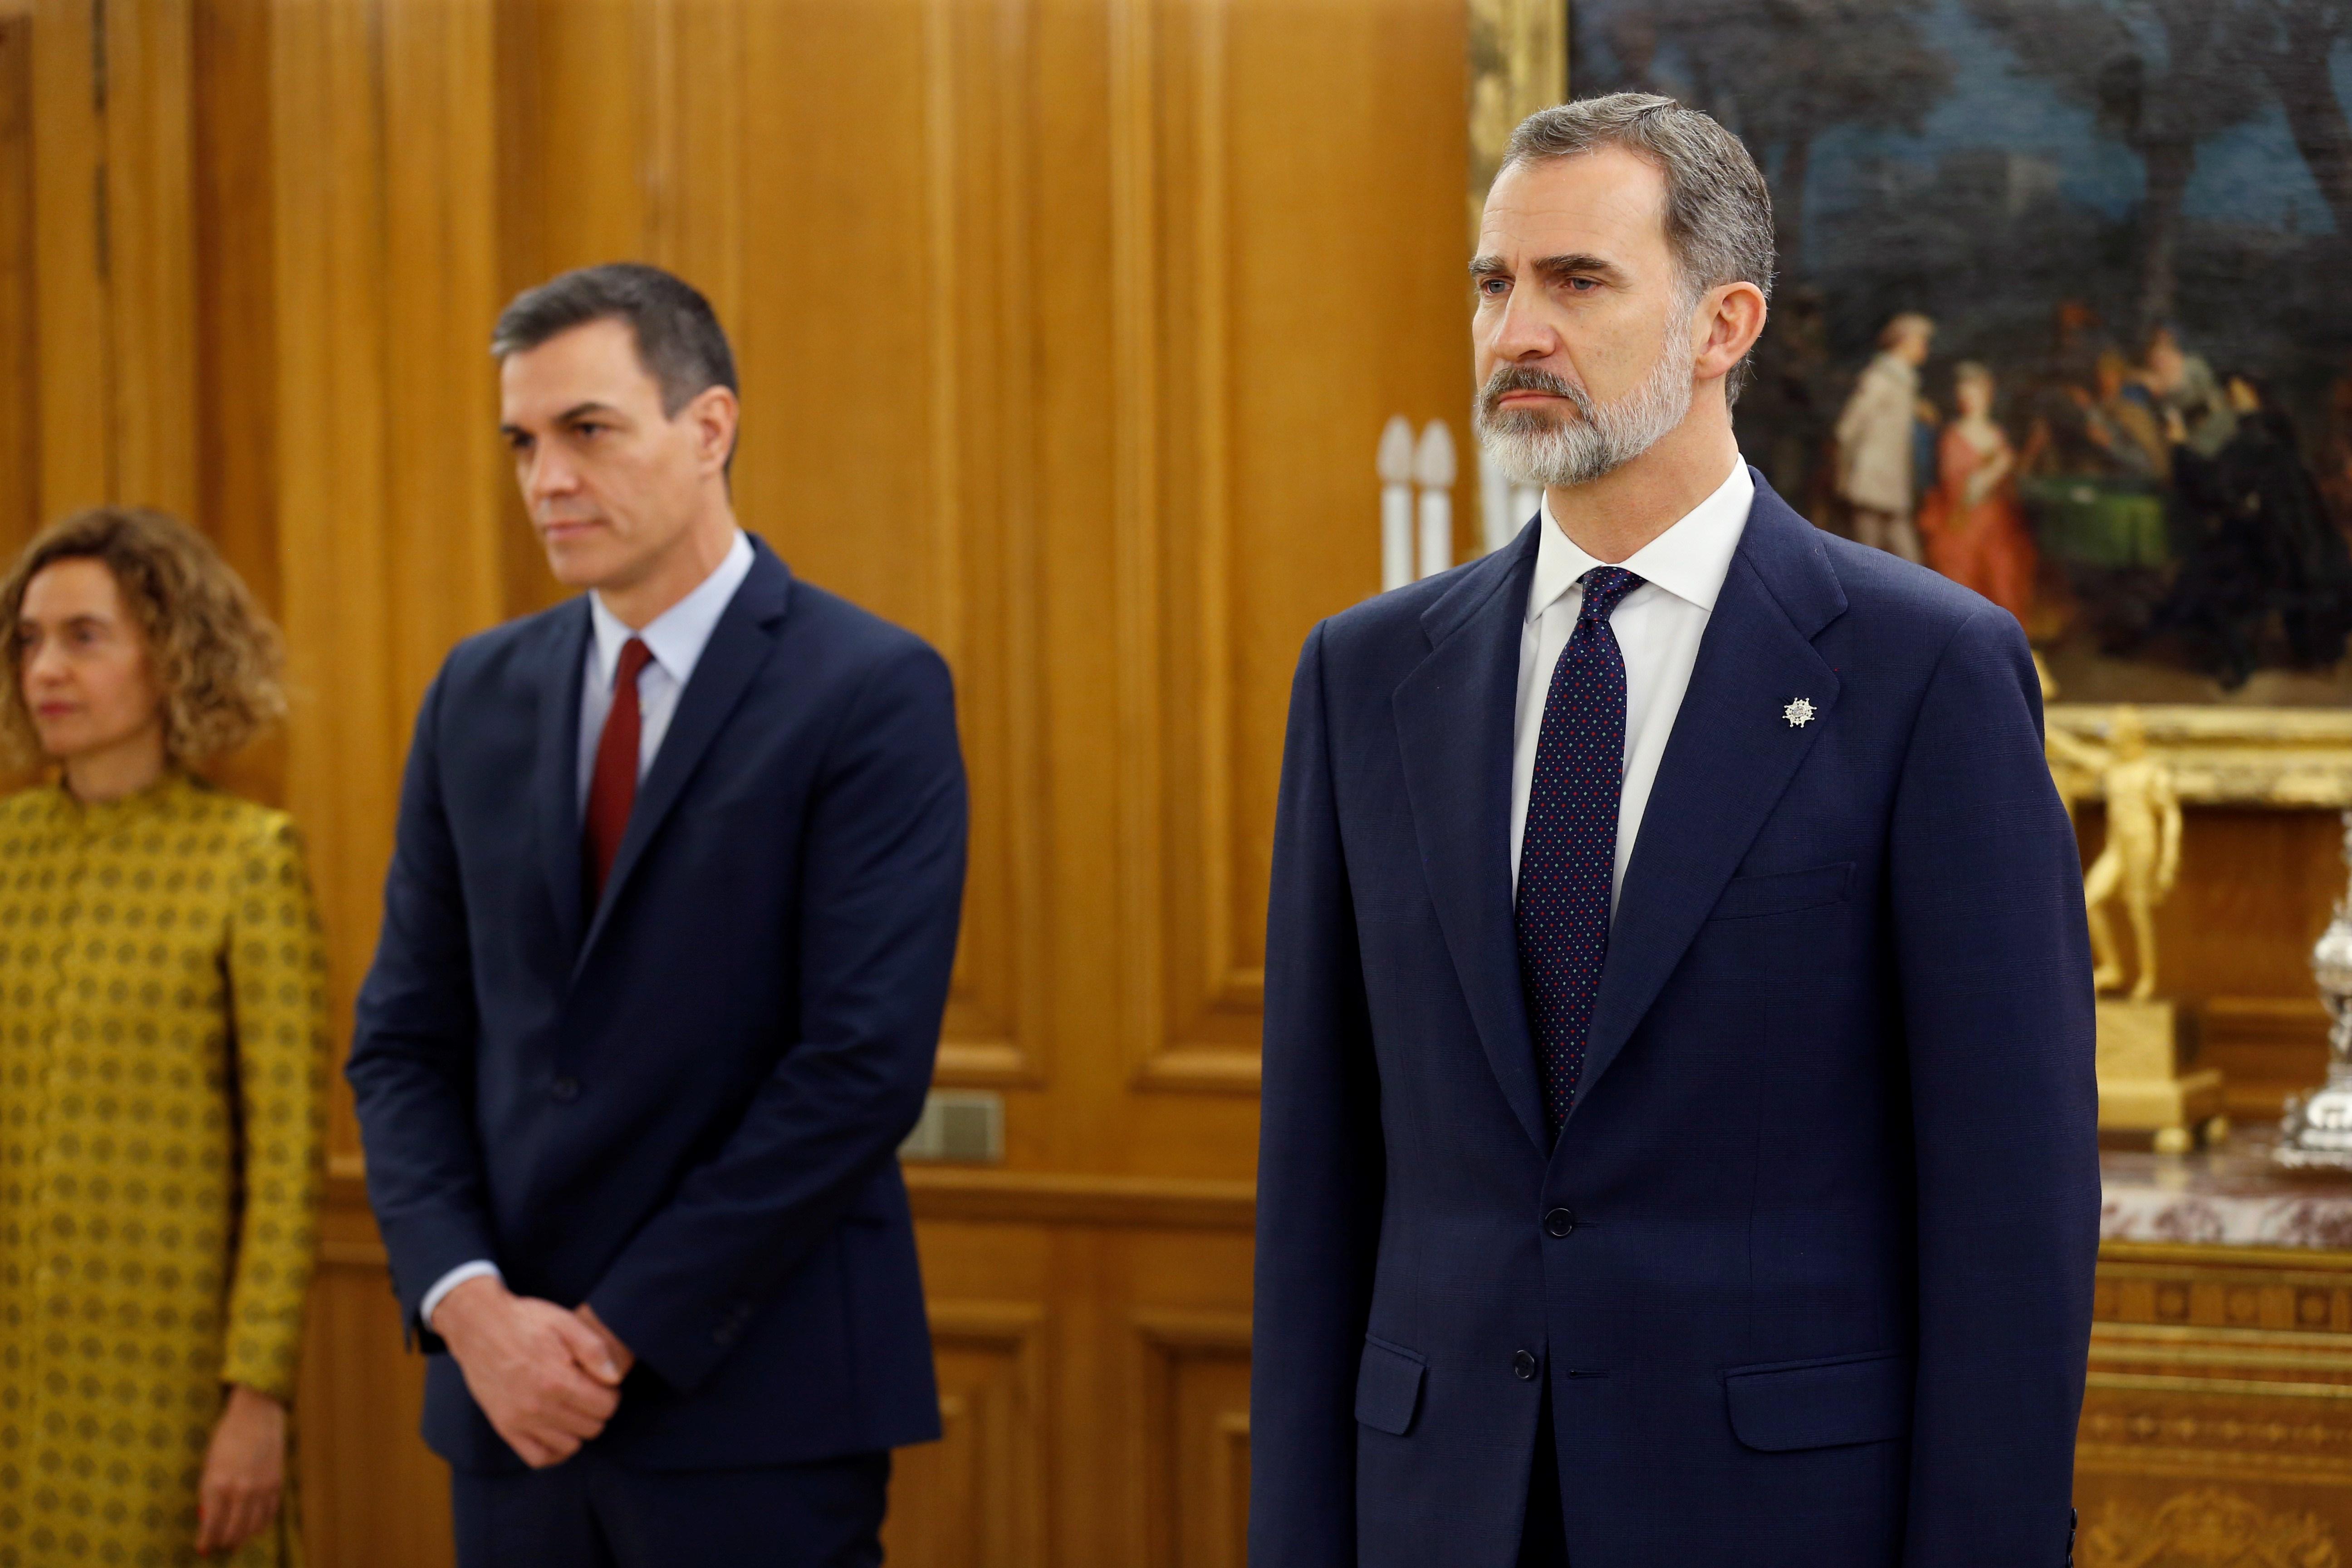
[1559, 1222]
[1523, 1364]
[564, 1089]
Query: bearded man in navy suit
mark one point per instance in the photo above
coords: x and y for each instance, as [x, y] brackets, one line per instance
[1679, 1139]
[666, 945]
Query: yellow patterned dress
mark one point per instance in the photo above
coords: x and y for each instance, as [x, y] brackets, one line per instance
[163, 1082]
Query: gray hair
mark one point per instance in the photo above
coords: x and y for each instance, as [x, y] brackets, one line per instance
[1719, 209]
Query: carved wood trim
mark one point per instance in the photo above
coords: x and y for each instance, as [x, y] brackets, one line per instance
[984, 1484]
[967, 1193]
[2205, 1526]
[980, 1193]
[1194, 1483]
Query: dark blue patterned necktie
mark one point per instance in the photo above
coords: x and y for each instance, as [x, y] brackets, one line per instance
[1567, 850]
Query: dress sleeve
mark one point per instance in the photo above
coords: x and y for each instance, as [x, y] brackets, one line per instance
[277, 962]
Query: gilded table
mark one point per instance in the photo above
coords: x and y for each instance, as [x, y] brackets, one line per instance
[2217, 1426]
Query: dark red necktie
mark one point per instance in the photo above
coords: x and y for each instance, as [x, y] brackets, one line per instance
[613, 789]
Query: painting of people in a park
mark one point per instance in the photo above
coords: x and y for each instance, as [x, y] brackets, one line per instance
[2061, 310]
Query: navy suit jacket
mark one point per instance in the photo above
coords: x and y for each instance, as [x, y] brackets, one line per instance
[684, 1104]
[1808, 1275]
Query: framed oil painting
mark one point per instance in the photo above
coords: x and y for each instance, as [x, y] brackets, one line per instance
[2060, 313]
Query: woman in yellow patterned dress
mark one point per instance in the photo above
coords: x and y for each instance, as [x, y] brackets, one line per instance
[163, 1065]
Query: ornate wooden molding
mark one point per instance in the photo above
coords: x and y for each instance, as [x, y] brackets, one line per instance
[1194, 1370]
[964, 1193]
[2230, 756]
[2207, 1526]
[2244, 1290]
[1056, 1197]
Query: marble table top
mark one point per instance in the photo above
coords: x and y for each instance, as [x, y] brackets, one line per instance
[2229, 1195]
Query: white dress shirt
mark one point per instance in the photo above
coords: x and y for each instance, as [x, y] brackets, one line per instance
[1658, 627]
[675, 639]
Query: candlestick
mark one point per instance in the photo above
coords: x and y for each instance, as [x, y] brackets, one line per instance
[1395, 466]
[1432, 469]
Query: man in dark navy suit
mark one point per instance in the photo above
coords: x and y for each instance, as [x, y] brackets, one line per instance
[1679, 1123]
[665, 946]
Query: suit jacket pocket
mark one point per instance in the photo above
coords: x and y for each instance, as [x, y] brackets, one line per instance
[1820, 1403]
[1782, 892]
[1388, 1386]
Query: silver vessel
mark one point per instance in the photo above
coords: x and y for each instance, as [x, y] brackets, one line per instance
[2315, 1134]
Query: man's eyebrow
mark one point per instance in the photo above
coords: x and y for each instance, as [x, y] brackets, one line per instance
[1581, 264]
[1576, 264]
[577, 411]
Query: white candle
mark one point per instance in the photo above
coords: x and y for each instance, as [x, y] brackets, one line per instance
[1433, 467]
[1526, 501]
[1395, 465]
[1496, 522]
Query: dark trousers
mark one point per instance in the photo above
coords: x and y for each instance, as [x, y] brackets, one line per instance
[1543, 1542]
[589, 1513]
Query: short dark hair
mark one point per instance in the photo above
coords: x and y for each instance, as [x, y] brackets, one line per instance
[678, 337]
[1718, 208]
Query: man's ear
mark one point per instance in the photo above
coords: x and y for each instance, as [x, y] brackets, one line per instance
[714, 412]
[1731, 320]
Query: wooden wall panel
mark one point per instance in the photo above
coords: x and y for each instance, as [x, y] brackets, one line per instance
[981, 1488]
[1196, 1435]
[76, 463]
[1275, 242]
[114, 254]
[901, 487]
[148, 257]
[20, 425]
[1135, 1294]
[1066, 328]
[372, 1492]
[387, 481]
[2234, 942]
[236, 327]
[233, 420]
[387, 472]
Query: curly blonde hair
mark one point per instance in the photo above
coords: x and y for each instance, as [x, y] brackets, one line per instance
[217, 658]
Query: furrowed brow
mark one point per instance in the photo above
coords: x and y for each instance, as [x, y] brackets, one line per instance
[1581, 264]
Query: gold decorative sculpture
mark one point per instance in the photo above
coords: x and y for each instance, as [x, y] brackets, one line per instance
[2075, 764]
[2142, 856]
[2142, 1041]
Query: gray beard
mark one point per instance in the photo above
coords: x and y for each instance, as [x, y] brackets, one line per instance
[1531, 447]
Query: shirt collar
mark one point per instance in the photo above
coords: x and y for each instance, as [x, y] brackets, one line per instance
[678, 636]
[1689, 560]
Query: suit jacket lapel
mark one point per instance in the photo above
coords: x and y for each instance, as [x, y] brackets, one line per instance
[1453, 717]
[1730, 755]
[739, 644]
[555, 771]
